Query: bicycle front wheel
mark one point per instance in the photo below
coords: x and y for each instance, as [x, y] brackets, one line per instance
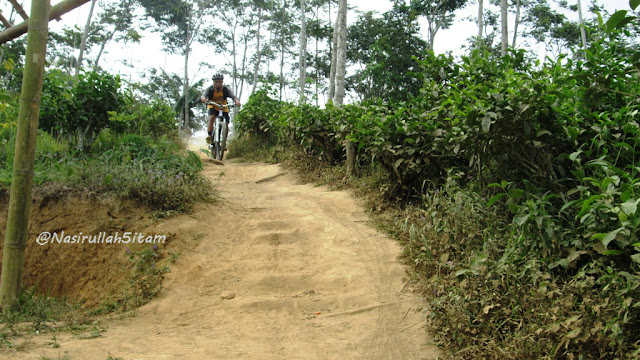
[223, 142]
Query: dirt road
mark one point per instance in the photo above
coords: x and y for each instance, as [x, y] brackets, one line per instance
[276, 270]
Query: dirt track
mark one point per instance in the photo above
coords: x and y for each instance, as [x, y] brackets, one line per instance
[310, 279]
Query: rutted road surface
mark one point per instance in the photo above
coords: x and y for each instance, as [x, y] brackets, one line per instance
[276, 270]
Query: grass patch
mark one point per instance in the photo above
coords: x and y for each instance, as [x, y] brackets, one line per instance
[155, 172]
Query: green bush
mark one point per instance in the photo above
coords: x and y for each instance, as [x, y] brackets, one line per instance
[551, 269]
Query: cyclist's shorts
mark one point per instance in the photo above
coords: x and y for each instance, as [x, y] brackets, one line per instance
[213, 111]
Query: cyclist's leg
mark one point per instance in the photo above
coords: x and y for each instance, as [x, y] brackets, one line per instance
[226, 128]
[212, 118]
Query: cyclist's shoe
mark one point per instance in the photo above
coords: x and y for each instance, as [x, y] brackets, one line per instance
[208, 139]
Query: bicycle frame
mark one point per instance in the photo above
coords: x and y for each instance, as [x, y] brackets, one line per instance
[219, 142]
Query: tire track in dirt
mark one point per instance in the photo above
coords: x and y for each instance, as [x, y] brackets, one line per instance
[309, 278]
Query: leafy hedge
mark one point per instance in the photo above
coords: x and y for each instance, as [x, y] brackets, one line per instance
[94, 135]
[552, 149]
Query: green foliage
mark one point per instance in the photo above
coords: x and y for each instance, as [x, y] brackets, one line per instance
[155, 119]
[376, 43]
[550, 268]
[36, 310]
[9, 105]
[146, 276]
[81, 109]
[11, 64]
[155, 172]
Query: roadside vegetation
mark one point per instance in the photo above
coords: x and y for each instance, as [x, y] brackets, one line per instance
[94, 136]
[99, 139]
[513, 185]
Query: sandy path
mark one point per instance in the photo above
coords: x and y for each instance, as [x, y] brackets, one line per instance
[312, 280]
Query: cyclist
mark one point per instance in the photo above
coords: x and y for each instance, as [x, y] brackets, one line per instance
[218, 93]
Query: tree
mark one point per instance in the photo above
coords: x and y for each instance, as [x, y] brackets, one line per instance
[179, 21]
[582, 31]
[504, 25]
[303, 50]
[256, 68]
[22, 177]
[480, 21]
[515, 26]
[547, 25]
[120, 16]
[83, 43]
[320, 30]
[374, 43]
[341, 54]
[439, 15]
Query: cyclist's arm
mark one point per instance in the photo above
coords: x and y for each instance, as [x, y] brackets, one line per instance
[205, 95]
[228, 93]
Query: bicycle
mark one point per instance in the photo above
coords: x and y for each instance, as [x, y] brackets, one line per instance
[219, 141]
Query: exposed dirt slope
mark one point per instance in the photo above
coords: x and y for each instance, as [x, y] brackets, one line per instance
[276, 270]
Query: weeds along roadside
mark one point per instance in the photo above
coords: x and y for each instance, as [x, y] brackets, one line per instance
[513, 188]
[156, 173]
[128, 150]
[482, 299]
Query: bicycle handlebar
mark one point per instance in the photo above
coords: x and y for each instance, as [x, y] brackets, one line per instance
[220, 105]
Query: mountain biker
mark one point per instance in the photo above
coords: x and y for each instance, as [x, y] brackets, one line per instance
[218, 93]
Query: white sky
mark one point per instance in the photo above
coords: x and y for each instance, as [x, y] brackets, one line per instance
[149, 53]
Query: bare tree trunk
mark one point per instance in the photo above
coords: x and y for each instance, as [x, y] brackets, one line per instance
[583, 33]
[317, 70]
[302, 61]
[256, 68]
[341, 54]
[234, 51]
[480, 21]
[185, 88]
[244, 68]
[334, 57]
[282, 41]
[83, 43]
[341, 57]
[505, 27]
[104, 44]
[515, 27]
[270, 38]
[22, 177]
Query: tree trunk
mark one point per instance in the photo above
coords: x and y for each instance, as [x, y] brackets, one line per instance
[341, 57]
[22, 180]
[270, 38]
[480, 21]
[282, 41]
[185, 89]
[83, 43]
[104, 43]
[515, 27]
[334, 56]
[243, 70]
[256, 68]
[281, 69]
[583, 33]
[341, 54]
[302, 61]
[317, 70]
[505, 27]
